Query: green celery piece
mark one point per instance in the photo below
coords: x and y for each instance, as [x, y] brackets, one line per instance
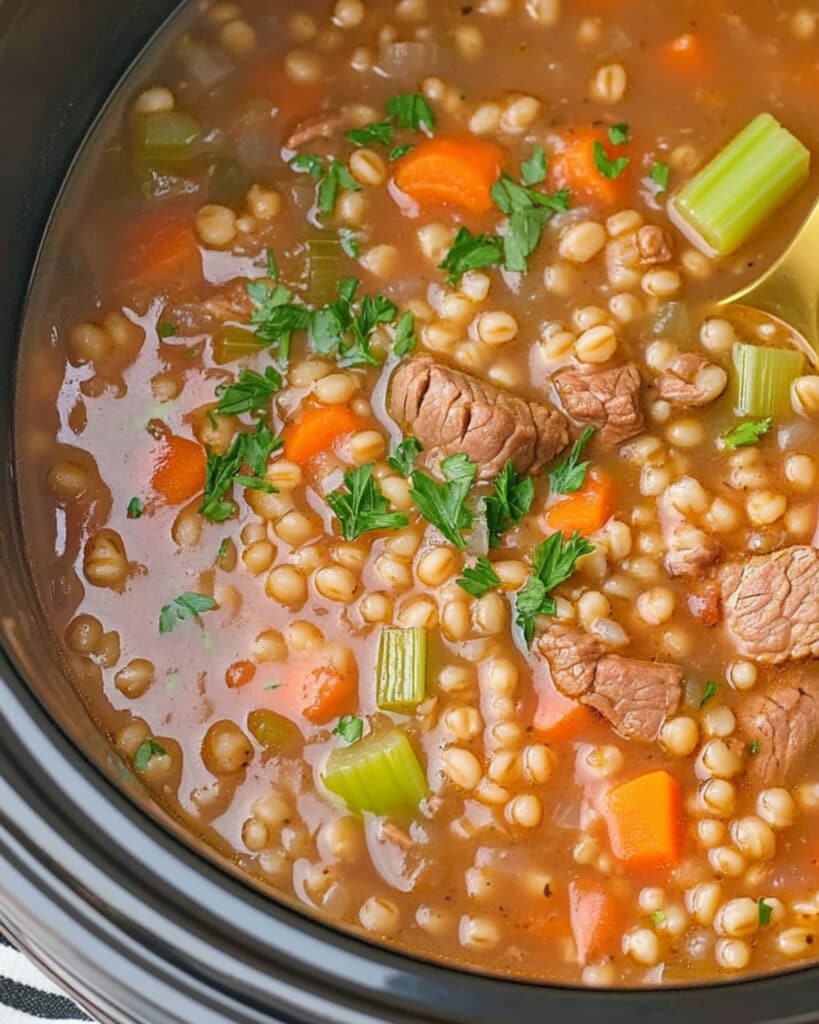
[379, 774]
[325, 254]
[231, 342]
[402, 669]
[166, 138]
[742, 186]
[763, 379]
[272, 730]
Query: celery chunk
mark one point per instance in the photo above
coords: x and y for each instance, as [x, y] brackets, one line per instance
[402, 669]
[763, 379]
[380, 774]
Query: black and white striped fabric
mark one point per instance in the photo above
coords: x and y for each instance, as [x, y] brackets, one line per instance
[26, 995]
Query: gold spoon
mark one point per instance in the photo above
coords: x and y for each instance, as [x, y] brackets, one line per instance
[789, 291]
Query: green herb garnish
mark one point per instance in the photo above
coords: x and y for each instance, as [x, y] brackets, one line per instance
[307, 163]
[362, 507]
[469, 252]
[223, 470]
[337, 176]
[618, 134]
[747, 433]
[553, 563]
[134, 508]
[223, 549]
[610, 169]
[186, 606]
[569, 475]
[376, 132]
[477, 580]
[511, 501]
[765, 911]
[405, 341]
[411, 110]
[349, 728]
[403, 458]
[658, 917]
[349, 243]
[753, 748]
[398, 151]
[272, 266]
[660, 174]
[251, 393]
[533, 170]
[444, 504]
[528, 211]
[166, 329]
[146, 752]
[711, 689]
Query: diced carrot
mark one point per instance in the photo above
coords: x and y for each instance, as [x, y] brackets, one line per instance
[559, 719]
[162, 245]
[589, 509]
[685, 54]
[319, 692]
[644, 819]
[572, 165]
[240, 673]
[316, 429]
[593, 915]
[453, 172]
[179, 469]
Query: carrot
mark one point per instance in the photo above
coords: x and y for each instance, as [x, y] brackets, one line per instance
[317, 691]
[572, 166]
[593, 915]
[589, 509]
[161, 244]
[559, 719]
[316, 429]
[240, 673]
[179, 469]
[644, 819]
[453, 172]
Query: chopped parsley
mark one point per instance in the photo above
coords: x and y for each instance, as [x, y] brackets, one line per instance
[272, 266]
[349, 243]
[376, 132]
[658, 917]
[330, 178]
[553, 563]
[747, 433]
[444, 503]
[398, 151]
[146, 752]
[223, 470]
[469, 252]
[272, 686]
[135, 508]
[403, 458]
[753, 748]
[477, 580]
[411, 110]
[362, 507]
[660, 174]
[276, 317]
[528, 211]
[186, 606]
[533, 170]
[223, 549]
[569, 475]
[251, 393]
[349, 728]
[405, 341]
[618, 134]
[710, 692]
[765, 911]
[511, 501]
[609, 168]
[166, 329]
[307, 163]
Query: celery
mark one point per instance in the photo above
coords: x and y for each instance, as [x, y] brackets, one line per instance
[325, 254]
[753, 175]
[231, 342]
[272, 730]
[763, 379]
[380, 774]
[402, 669]
[166, 139]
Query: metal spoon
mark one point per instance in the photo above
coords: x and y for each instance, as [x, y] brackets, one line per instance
[789, 291]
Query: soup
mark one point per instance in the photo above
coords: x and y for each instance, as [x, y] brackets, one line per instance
[413, 521]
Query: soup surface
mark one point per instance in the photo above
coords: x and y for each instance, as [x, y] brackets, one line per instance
[411, 519]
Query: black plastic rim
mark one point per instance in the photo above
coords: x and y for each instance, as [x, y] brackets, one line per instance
[137, 926]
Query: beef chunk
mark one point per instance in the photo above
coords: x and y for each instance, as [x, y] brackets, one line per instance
[771, 605]
[782, 725]
[690, 550]
[691, 380]
[635, 696]
[703, 601]
[322, 126]
[653, 245]
[449, 411]
[606, 399]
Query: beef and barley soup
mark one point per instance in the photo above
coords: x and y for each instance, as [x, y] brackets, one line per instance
[420, 530]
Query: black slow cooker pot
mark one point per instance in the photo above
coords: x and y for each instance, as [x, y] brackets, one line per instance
[105, 895]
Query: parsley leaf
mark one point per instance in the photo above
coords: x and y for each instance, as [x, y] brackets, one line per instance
[610, 169]
[349, 728]
[146, 752]
[403, 458]
[528, 211]
[553, 563]
[511, 501]
[337, 176]
[479, 579]
[251, 393]
[533, 170]
[569, 474]
[276, 317]
[660, 174]
[444, 504]
[411, 110]
[754, 748]
[405, 341]
[272, 266]
[186, 606]
[362, 507]
[223, 549]
[273, 686]
[618, 134]
[372, 311]
[377, 131]
[747, 433]
[710, 693]
[469, 252]
[398, 151]
[309, 164]
[225, 469]
[349, 243]
[166, 329]
[765, 911]
[658, 917]
[134, 508]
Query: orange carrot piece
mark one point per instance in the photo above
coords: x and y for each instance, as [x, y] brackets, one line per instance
[317, 691]
[572, 166]
[589, 509]
[559, 719]
[162, 245]
[644, 819]
[316, 429]
[453, 172]
[179, 469]
[593, 915]
[240, 673]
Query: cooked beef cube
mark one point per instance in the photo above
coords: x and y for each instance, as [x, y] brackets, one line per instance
[653, 245]
[782, 726]
[691, 380]
[771, 605]
[690, 550]
[322, 126]
[635, 696]
[451, 412]
[703, 601]
[606, 399]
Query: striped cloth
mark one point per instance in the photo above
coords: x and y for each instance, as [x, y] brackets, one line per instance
[26, 995]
